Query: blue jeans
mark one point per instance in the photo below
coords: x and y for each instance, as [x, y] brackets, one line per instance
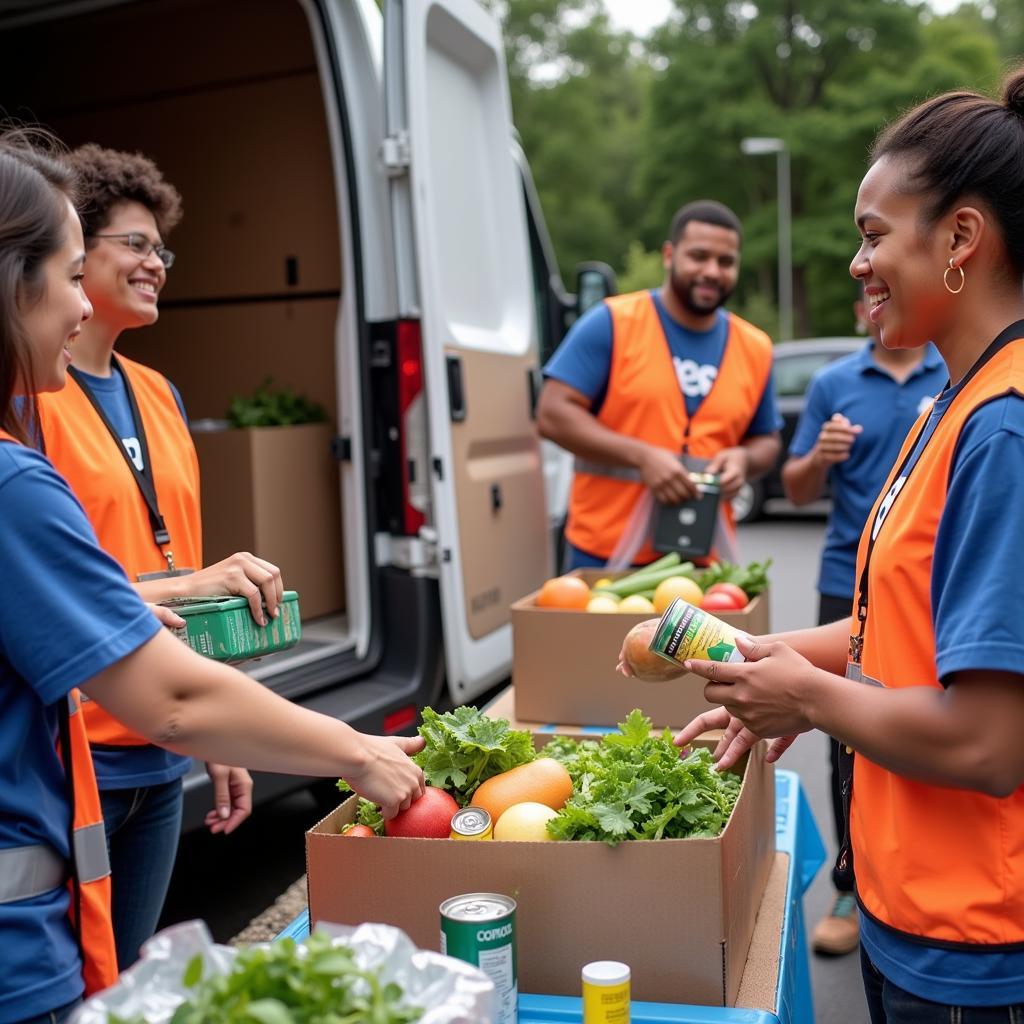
[58, 1016]
[890, 1004]
[142, 837]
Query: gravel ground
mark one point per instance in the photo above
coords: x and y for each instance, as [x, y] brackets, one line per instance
[280, 913]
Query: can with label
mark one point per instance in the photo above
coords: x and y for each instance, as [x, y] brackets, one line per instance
[480, 928]
[472, 823]
[686, 632]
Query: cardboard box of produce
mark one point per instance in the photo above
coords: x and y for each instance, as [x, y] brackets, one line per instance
[680, 912]
[563, 665]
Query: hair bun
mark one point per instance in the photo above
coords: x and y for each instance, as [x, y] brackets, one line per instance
[1013, 91]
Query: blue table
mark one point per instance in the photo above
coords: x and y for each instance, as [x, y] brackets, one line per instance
[795, 834]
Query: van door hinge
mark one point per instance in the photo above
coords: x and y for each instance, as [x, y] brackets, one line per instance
[394, 154]
[341, 449]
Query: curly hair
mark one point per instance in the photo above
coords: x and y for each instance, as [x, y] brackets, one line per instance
[109, 176]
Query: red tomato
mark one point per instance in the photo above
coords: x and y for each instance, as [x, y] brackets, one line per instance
[720, 603]
[430, 817]
[360, 830]
[738, 594]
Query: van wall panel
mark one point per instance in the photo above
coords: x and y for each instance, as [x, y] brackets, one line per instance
[214, 353]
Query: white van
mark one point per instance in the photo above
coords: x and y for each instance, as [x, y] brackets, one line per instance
[360, 226]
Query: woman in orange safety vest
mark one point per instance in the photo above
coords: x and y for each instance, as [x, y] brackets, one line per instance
[117, 433]
[925, 683]
[70, 619]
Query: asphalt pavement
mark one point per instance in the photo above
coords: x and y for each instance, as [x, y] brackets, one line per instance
[228, 880]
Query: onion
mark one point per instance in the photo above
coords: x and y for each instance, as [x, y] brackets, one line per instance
[642, 661]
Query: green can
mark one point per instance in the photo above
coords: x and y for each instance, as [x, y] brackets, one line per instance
[480, 928]
[686, 632]
[223, 628]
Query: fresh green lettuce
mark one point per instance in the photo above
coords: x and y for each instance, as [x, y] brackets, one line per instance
[633, 785]
[463, 748]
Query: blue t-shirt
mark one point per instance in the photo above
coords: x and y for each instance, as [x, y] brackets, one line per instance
[123, 767]
[584, 362]
[976, 604]
[865, 394]
[67, 612]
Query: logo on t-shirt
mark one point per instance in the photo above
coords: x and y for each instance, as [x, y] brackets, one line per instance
[134, 450]
[695, 379]
[925, 404]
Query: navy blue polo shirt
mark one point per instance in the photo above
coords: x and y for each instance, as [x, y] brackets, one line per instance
[866, 394]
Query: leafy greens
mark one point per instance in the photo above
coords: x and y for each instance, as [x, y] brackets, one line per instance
[753, 578]
[285, 983]
[463, 748]
[633, 785]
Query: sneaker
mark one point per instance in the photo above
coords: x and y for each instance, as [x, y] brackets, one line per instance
[839, 932]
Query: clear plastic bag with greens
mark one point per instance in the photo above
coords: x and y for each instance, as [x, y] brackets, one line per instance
[184, 976]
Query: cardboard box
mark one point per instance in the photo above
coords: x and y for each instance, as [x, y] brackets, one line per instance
[275, 491]
[563, 665]
[680, 912]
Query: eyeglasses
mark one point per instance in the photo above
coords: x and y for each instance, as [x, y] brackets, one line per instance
[142, 247]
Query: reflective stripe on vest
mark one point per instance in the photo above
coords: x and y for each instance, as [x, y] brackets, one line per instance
[89, 906]
[28, 871]
[933, 862]
[80, 446]
[644, 401]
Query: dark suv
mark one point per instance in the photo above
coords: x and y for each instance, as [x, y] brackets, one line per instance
[796, 362]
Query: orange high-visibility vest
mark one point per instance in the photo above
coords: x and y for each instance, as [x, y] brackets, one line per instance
[89, 883]
[644, 401]
[87, 456]
[939, 863]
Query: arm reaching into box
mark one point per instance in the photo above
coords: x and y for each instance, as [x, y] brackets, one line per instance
[198, 707]
[241, 574]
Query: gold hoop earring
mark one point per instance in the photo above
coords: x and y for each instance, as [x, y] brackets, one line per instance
[945, 278]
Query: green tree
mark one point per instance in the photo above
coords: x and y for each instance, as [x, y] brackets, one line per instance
[823, 75]
[578, 96]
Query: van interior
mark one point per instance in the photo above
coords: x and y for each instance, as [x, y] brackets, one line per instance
[240, 129]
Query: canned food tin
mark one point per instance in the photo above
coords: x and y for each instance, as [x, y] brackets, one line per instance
[472, 823]
[480, 928]
[686, 632]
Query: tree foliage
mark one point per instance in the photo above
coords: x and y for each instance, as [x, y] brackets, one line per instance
[620, 132]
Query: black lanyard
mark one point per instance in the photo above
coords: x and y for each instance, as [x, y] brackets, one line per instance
[1009, 334]
[144, 478]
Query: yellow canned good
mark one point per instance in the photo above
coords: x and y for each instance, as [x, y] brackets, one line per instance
[472, 823]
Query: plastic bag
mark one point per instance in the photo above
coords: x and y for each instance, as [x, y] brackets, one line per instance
[450, 991]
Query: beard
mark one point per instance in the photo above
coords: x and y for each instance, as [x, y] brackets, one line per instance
[684, 292]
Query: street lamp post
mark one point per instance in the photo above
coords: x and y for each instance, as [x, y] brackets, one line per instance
[759, 146]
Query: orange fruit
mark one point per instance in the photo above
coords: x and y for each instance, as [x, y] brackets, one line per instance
[566, 592]
[543, 781]
[676, 586]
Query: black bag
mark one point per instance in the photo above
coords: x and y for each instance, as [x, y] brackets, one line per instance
[689, 527]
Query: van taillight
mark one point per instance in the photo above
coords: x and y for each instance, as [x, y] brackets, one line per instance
[410, 413]
[401, 719]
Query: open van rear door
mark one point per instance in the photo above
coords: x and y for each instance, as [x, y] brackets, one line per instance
[457, 188]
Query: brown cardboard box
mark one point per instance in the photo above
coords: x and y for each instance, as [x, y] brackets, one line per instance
[563, 665]
[275, 491]
[680, 912]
